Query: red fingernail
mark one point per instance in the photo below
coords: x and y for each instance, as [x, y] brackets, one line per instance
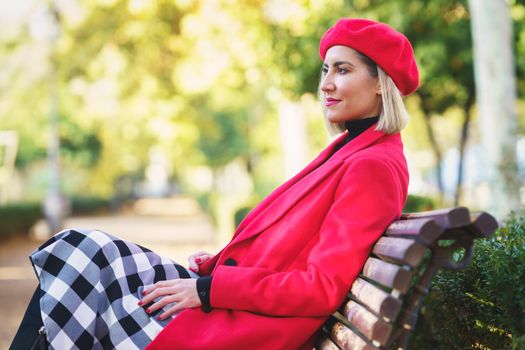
[144, 292]
[197, 260]
[159, 318]
[140, 303]
[148, 310]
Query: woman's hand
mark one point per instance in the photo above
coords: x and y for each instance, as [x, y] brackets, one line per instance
[198, 258]
[182, 292]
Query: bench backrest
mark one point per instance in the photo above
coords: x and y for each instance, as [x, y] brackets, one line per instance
[384, 301]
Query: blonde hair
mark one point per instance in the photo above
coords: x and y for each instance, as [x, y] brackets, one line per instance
[393, 117]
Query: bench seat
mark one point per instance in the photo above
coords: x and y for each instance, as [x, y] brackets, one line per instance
[383, 304]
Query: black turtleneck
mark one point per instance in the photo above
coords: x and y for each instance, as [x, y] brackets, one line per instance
[357, 127]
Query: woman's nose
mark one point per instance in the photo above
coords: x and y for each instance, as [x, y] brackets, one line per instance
[327, 85]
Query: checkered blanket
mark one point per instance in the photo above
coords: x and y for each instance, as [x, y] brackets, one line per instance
[92, 282]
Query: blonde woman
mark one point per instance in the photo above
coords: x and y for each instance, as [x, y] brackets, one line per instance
[290, 262]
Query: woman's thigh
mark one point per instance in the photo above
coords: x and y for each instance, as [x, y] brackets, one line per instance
[92, 282]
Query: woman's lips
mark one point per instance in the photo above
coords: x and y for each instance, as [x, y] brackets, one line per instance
[329, 102]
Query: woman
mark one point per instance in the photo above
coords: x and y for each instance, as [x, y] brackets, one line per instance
[290, 262]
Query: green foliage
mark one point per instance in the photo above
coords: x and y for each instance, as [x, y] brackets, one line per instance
[483, 306]
[18, 218]
[418, 203]
[90, 205]
[444, 56]
[204, 201]
[222, 138]
[78, 144]
[518, 16]
[203, 79]
[241, 213]
[296, 39]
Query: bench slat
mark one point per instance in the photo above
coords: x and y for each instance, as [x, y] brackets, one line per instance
[424, 230]
[367, 323]
[447, 218]
[387, 274]
[381, 303]
[483, 225]
[326, 344]
[346, 339]
[406, 251]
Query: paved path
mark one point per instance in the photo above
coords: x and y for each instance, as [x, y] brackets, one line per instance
[175, 233]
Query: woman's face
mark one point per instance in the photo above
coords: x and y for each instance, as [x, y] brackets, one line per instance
[349, 91]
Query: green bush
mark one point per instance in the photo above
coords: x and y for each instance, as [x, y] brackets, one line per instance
[483, 306]
[418, 203]
[204, 200]
[89, 205]
[18, 218]
[241, 213]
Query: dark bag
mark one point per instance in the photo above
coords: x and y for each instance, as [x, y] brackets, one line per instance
[40, 341]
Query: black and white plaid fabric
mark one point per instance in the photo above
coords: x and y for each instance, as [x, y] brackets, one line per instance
[91, 284]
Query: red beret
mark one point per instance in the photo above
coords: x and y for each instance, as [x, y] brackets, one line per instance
[388, 48]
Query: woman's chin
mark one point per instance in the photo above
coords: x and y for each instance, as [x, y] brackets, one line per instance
[333, 119]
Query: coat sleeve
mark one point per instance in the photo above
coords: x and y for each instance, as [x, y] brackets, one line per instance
[367, 199]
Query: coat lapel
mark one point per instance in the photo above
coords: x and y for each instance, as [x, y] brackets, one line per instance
[320, 159]
[366, 139]
[274, 210]
[275, 206]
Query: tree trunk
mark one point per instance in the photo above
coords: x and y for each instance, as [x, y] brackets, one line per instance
[462, 143]
[292, 125]
[433, 143]
[495, 76]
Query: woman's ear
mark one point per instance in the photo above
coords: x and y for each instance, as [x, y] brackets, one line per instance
[378, 87]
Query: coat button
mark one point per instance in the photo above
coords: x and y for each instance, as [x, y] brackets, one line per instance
[230, 262]
[206, 308]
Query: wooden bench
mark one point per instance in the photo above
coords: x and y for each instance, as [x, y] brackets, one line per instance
[383, 304]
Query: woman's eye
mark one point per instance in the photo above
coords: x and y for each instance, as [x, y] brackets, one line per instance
[342, 70]
[324, 70]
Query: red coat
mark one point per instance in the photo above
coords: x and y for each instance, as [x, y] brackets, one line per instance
[298, 251]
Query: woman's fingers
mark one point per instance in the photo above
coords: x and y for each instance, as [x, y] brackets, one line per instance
[196, 259]
[158, 289]
[197, 254]
[167, 299]
[202, 258]
[166, 292]
[193, 265]
[172, 311]
[183, 292]
[157, 285]
[185, 299]
[149, 298]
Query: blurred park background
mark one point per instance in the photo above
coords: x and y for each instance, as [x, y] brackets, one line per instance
[166, 120]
